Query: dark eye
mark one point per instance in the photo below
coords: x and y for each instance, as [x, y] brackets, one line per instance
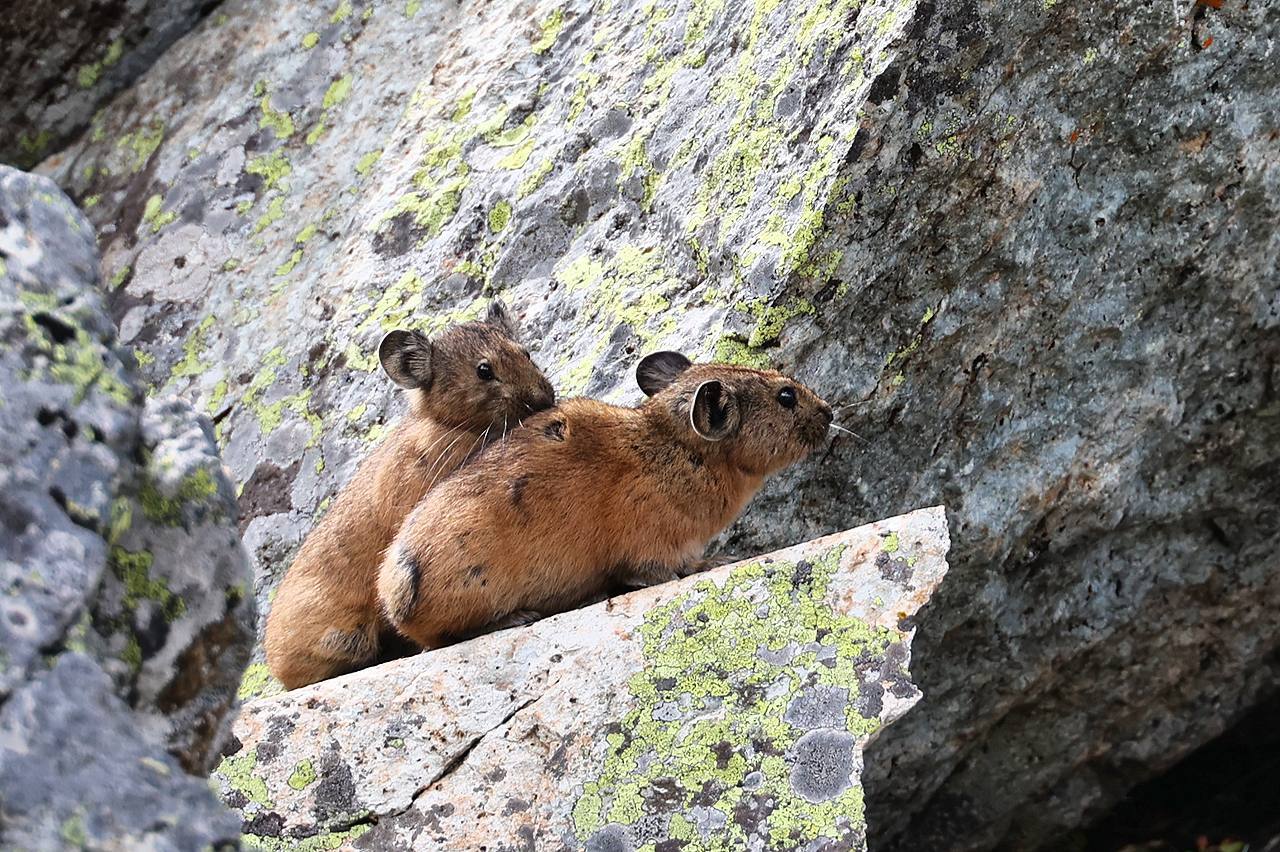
[485, 371]
[787, 397]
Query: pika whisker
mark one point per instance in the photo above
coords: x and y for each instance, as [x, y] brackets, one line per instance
[850, 432]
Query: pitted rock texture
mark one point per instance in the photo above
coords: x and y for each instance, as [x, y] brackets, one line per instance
[64, 60]
[667, 716]
[1029, 251]
[127, 617]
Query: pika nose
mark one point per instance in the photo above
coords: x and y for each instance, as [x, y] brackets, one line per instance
[826, 413]
[547, 397]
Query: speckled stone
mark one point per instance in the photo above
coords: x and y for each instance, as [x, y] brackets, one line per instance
[550, 735]
[127, 617]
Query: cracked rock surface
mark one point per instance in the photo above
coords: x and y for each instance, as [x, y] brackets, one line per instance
[127, 617]
[727, 710]
[1028, 249]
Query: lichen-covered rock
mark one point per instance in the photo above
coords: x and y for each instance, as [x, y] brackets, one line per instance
[126, 619]
[725, 711]
[1029, 250]
[65, 58]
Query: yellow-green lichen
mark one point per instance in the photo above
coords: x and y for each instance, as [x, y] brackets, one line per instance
[304, 774]
[549, 28]
[237, 770]
[279, 121]
[635, 160]
[258, 683]
[190, 365]
[731, 350]
[79, 362]
[133, 570]
[430, 210]
[310, 40]
[142, 143]
[119, 277]
[534, 179]
[273, 168]
[366, 163]
[341, 13]
[339, 90]
[499, 216]
[287, 267]
[517, 158]
[710, 709]
[72, 830]
[200, 486]
[273, 214]
[772, 319]
[153, 216]
[499, 138]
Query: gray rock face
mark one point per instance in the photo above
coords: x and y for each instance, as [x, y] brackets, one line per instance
[1029, 250]
[63, 60]
[127, 618]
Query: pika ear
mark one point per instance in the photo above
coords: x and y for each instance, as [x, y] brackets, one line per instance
[714, 413]
[406, 357]
[656, 371]
[499, 317]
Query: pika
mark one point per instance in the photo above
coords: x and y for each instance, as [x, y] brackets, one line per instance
[589, 495]
[467, 387]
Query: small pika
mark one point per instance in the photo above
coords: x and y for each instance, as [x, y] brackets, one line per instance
[588, 495]
[467, 387]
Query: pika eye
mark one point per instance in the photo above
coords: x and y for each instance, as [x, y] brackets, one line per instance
[485, 371]
[787, 397]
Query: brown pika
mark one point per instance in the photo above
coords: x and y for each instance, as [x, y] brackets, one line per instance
[468, 387]
[588, 495]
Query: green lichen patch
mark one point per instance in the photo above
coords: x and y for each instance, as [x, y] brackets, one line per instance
[366, 163]
[199, 487]
[731, 350]
[549, 28]
[339, 90]
[499, 216]
[772, 319]
[719, 717]
[274, 213]
[273, 168]
[258, 683]
[155, 216]
[632, 287]
[534, 179]
[304, 775]
[517, 158]
[80, 362]
[141, 144]
[279, 121]
[310, 40]
[237, 771]
[430, 210]
[133, 570]
[191, 365]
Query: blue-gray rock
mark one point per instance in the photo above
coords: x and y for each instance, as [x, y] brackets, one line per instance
[127, 619]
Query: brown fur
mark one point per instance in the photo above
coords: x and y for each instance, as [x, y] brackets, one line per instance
[587, 494]
[325, 619]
